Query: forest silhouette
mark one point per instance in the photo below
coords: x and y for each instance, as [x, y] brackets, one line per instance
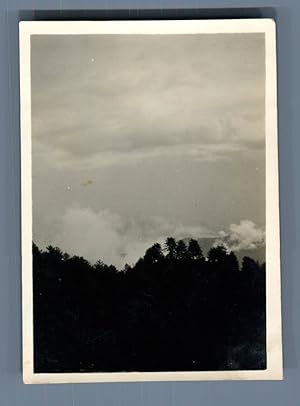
[174, 310]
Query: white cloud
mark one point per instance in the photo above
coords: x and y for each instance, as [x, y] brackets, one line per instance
[115, 240]
[243, 236]
[107, 236]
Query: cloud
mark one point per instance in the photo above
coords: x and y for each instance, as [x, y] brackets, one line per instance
[176, 95]
[147, 135]
[243, 236]
[64, 159]
[116, 240]
[107, 236]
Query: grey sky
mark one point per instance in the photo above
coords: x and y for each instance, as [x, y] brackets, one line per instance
[139, 137]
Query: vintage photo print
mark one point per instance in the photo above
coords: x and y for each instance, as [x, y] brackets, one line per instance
[150, 213]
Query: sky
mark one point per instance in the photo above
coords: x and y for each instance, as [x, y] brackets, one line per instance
[139, 137]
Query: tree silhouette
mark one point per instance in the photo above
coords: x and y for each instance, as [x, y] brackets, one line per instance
[54, 254]
[217, 254]
[232, 262]
[171, 247]
[154, 254]
[250, 265]
[194, 249]
[172, 312]
[181, 250]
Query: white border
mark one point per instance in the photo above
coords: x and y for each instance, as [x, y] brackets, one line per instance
[274, 340]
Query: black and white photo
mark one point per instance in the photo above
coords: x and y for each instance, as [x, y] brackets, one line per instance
[150, 226]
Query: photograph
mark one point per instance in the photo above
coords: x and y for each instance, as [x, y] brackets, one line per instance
[150, 204]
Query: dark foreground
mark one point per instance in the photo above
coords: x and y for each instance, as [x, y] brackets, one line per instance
[173, 311]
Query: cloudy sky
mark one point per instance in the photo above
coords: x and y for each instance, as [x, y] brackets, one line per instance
[136, 138]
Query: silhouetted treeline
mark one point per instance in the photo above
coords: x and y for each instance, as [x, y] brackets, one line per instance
[174, 310]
